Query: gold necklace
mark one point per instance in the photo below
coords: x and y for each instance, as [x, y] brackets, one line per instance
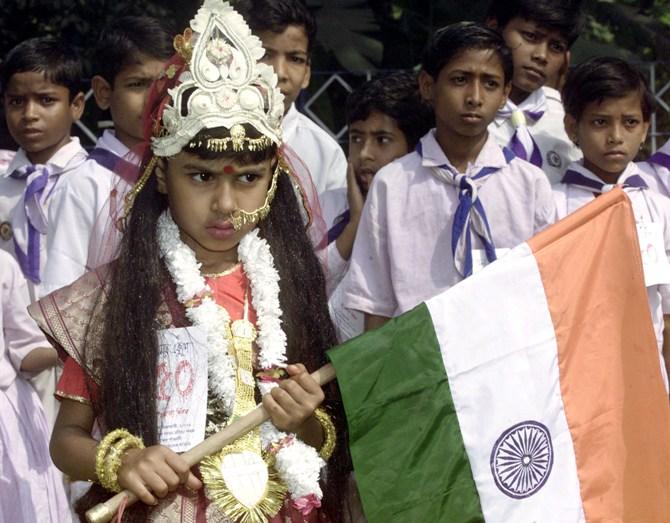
[238, 478]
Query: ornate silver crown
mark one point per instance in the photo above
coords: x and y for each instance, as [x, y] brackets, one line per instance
[223, 86]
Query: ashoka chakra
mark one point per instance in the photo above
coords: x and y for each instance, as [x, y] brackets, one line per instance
[522, 458]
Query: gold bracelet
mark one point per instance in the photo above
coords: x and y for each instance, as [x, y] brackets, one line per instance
[114, 458]
[107, 476]
[329, 434]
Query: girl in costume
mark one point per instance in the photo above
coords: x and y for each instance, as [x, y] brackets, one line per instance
[31, 489]
[216, 277]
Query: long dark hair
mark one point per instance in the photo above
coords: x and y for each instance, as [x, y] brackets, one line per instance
[138, 281]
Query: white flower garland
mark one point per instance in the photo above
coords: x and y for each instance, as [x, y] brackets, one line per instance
[297, 464]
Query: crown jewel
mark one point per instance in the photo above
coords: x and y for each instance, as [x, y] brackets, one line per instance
[224, 85]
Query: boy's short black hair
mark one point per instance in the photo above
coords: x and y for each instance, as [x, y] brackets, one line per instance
[604, 77]
[397, 96]
[453, 39]
[277, 15]
[58, 61]
[564, 16]
[125, 38]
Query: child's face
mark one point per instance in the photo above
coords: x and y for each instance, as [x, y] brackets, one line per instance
[203, 194]
[610, 134]
[39, 114]
[467, 93]
[126, 98]
[538, 53]
[373, 143]
[287, 53]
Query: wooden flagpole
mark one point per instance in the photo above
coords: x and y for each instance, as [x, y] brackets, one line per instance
[104, 512]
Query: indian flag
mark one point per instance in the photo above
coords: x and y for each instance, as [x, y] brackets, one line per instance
[529, 393]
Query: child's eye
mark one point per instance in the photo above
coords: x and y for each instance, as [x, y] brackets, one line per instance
[47, 100]
[529, 36]
[15, 102]
[201, 177]
[631, 122]
[248, 178]
[355, 139]
[492, 84]
[458, 80]
[558, 47]
[298, 60]
[383, 140]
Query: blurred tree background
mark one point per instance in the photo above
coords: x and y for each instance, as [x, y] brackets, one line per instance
[357, 38]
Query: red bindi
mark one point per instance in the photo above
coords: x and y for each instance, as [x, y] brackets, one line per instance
[229, 169]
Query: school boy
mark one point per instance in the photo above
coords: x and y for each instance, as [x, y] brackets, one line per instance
[540, 34]
[288, 32]
[410, 244]
[608, 106]
[50, 195]
[129, 56]
[386, 118]
[656, 170]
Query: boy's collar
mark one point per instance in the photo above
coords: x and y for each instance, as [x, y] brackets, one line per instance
[109, 141]
[630, 170]
[58, 161]
[432, 155]
[290, 122]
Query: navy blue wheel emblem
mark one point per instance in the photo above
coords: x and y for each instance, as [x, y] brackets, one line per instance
[522, 458]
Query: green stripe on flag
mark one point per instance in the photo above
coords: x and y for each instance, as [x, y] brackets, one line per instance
[405, 440]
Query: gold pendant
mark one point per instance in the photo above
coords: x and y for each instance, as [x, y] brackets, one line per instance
[241, 485]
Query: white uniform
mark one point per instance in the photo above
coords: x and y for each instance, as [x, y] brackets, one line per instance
[648, 206]
[322, 155]
[348, 323]
[76, 191]
[549, 134]
[657, 175]
[402, 253]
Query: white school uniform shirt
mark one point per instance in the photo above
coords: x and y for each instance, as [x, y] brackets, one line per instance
[348, 323]
[402, 253]
[320, 153]
[549, 134]
[648, 206]
[111, 143]
[657, 176]
[76, 192]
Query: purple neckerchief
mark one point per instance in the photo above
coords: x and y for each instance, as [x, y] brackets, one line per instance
[519, 149]
[579, 180]
[661, 159]
[112, 162]
[30, 260]
[340, 223]
[470, 216]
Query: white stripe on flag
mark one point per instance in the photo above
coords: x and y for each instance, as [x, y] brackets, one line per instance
[503, 373]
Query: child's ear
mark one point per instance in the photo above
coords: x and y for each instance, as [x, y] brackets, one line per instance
[570, 124]
[102, 92]
[161, 175]
[646, 130]
[77, 106]
[426, 83]
[506, 90]
[308, 75]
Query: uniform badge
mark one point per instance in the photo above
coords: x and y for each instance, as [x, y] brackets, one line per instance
[554, 159]
[6, 231]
